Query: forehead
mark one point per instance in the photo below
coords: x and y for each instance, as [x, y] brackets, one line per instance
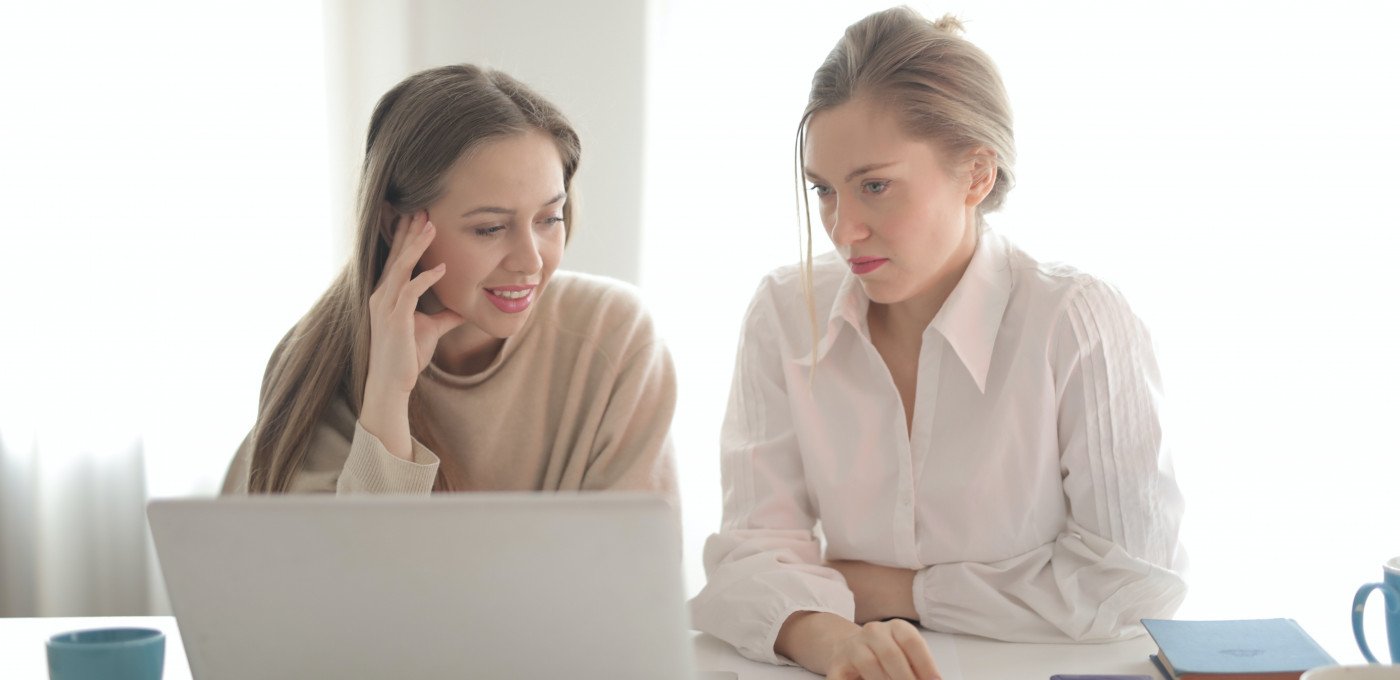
[523, 167]
[856, 133]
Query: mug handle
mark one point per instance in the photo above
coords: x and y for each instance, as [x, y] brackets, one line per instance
[1358, 606]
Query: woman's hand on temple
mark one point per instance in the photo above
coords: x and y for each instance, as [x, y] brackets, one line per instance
[402, 339]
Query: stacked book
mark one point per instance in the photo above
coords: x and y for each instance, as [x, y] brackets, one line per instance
[1253, 649]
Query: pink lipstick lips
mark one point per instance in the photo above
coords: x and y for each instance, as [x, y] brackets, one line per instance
[865, 265]
[511, 299]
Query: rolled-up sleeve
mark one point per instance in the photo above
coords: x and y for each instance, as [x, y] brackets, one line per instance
[765, 563]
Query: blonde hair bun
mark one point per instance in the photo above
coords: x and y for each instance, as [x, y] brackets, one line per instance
[950, 24]
[942, 87]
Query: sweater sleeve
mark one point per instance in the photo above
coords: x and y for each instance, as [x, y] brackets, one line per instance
[345, 459]
[360, 463]
[342, 458]
[766, 562]
[632, 450]
[1118, 559]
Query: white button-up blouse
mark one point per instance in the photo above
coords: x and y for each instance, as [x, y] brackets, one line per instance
[1033, 492]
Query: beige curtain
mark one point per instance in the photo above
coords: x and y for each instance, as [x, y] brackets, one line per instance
[72, 528]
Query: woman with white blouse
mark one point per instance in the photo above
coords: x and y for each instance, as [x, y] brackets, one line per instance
[928, 424]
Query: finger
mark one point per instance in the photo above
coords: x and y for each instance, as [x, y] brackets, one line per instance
[396, 270]
[414, 246]
[445, 321]
[891, 657]
[916, 651]
[420, 284]
[402, 226]
[386, 289]
[864, 660]
[843, 671]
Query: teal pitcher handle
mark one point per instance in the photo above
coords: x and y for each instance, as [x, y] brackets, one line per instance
[1358, 605]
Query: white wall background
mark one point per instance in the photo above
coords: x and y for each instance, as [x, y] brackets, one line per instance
[176, 183]
[166, 212]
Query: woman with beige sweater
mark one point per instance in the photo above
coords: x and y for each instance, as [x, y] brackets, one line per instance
[449, 354]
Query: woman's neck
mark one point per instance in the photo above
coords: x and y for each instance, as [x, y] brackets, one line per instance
[464, 350]
[906, 320]
[469, 353]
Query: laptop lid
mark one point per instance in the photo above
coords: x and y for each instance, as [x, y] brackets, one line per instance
[469, 585]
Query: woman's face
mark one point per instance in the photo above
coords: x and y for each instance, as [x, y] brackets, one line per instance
[903, 222]
[500, 231]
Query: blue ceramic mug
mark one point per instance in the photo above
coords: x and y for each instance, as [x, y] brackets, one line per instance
[1391, 588]
[107, 654]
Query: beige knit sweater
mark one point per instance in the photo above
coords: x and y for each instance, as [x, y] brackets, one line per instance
[580, 399]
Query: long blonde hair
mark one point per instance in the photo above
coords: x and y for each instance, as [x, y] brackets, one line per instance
[941, 87]
[417, 131]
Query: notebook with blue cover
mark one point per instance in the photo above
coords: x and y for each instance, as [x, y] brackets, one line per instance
[1253, 649]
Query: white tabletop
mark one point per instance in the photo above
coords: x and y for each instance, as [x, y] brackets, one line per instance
[960, 657]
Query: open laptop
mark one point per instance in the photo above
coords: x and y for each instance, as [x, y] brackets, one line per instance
[483, 585]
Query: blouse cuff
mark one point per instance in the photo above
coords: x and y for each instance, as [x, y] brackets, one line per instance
[923, 600]
[370, 468]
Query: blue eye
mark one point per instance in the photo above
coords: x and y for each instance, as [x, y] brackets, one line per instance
[822, 191]
[553, 220]
[875, 187]
[489, 231]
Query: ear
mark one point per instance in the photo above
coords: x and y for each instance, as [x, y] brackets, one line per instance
[981, 166]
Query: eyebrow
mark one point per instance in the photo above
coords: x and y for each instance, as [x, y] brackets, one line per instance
[868, 167]
[494, 210]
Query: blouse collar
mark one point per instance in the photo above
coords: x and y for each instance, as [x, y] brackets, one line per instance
[969, 319]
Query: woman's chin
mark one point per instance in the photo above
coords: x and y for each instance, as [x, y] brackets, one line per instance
[883, 293]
